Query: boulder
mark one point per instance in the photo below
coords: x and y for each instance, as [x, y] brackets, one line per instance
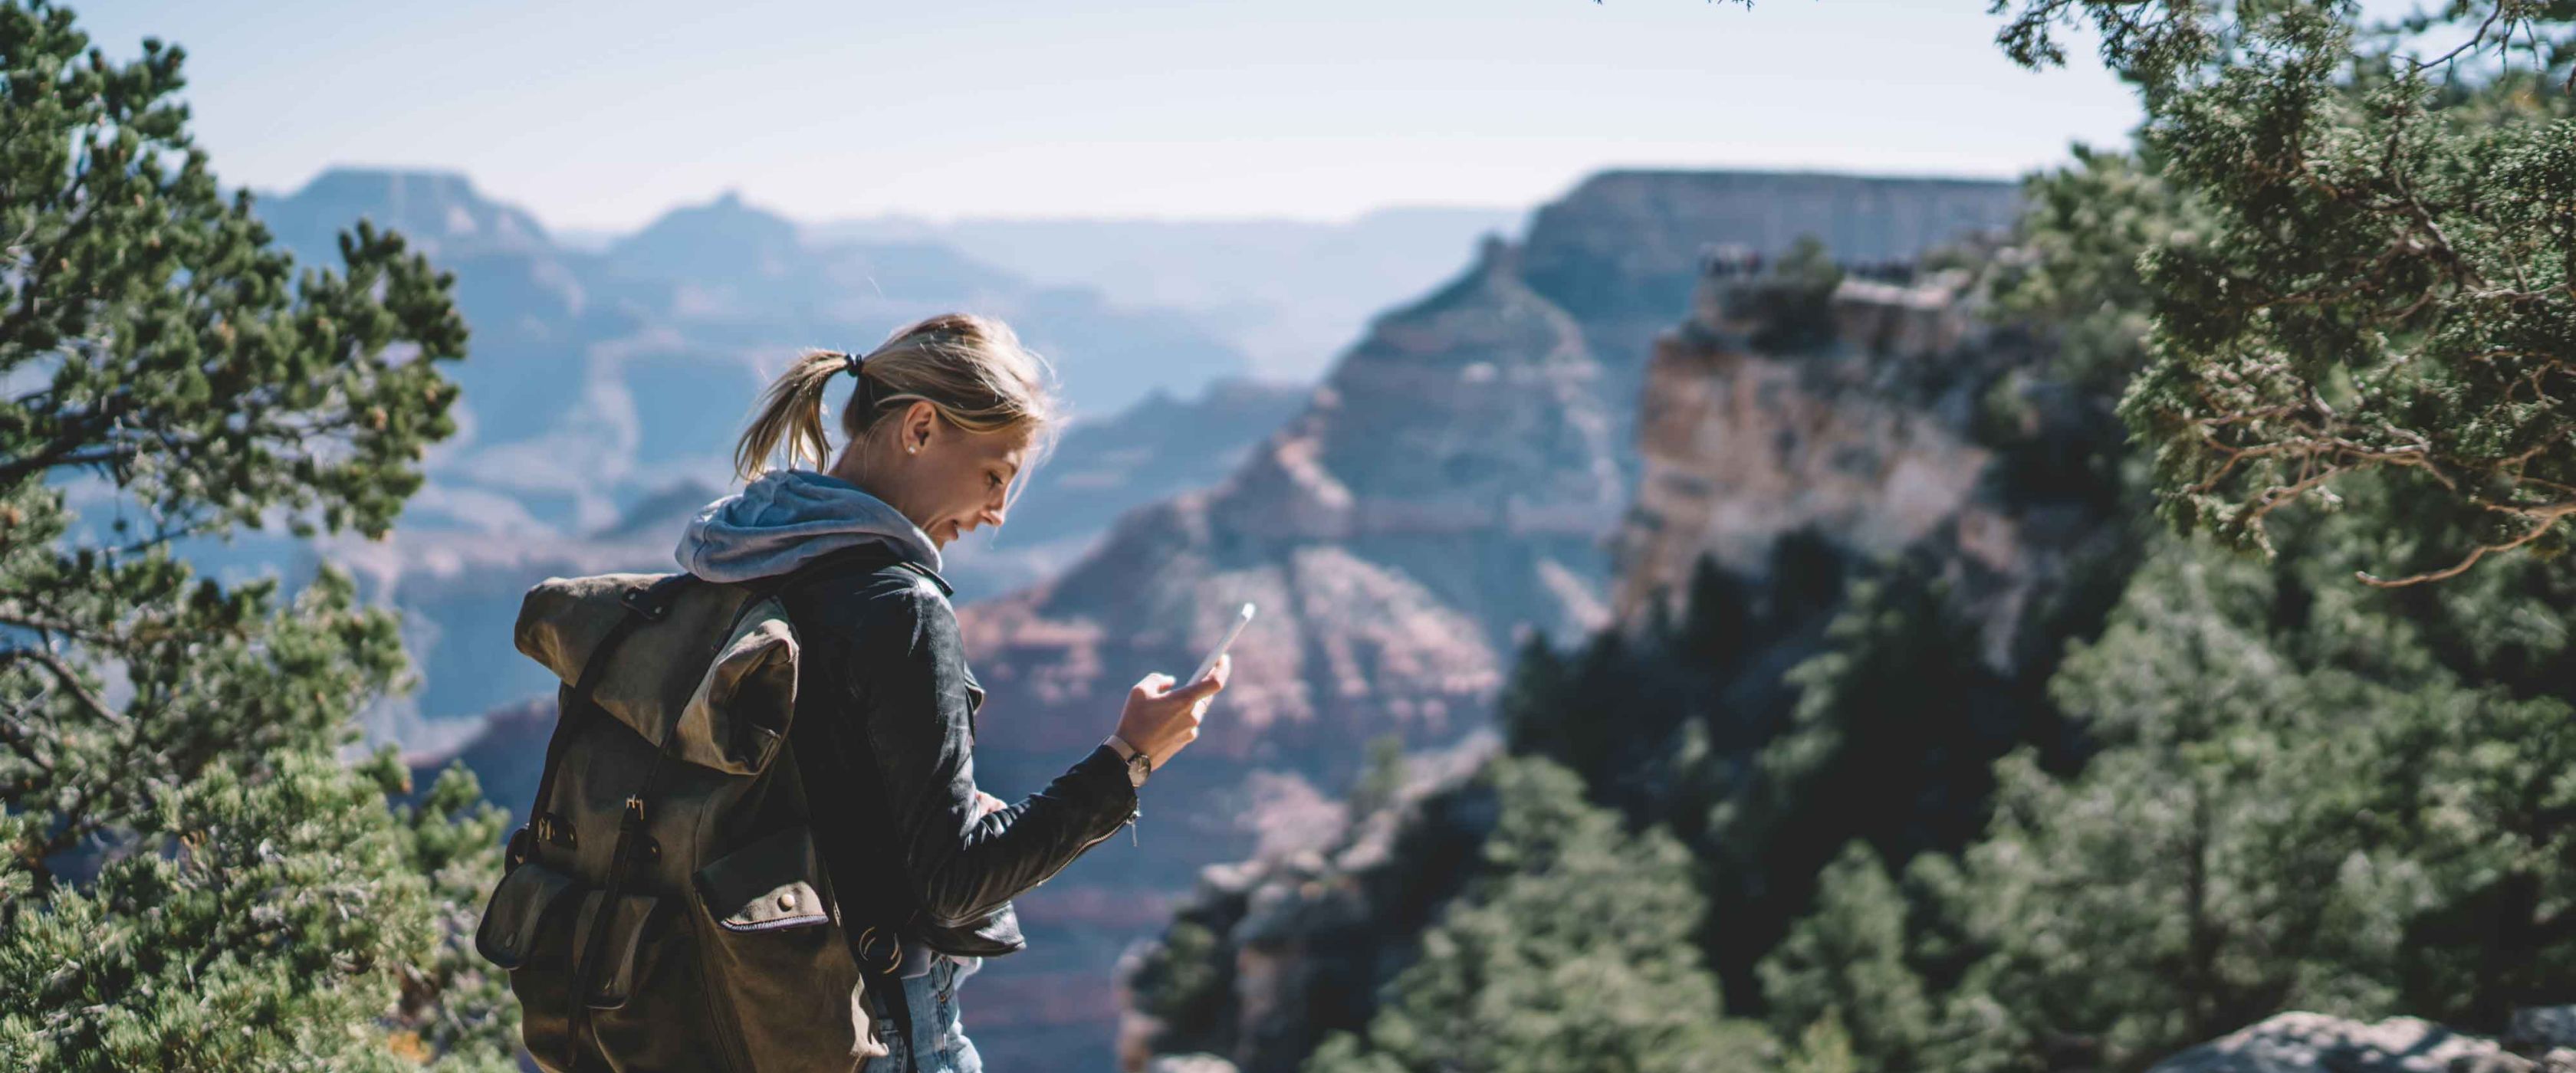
[2304, 1042]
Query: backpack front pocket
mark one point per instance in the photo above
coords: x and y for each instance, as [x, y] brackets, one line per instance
[777, 953]
[508, 933]
[527, 929]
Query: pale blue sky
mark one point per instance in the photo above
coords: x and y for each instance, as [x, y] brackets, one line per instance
[604, 115]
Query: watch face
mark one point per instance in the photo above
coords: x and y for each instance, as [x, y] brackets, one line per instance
[1137, 768]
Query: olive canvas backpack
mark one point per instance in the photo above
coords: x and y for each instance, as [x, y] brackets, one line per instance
[665, 906]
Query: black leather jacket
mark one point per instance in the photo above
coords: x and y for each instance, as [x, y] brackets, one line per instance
[884, 739]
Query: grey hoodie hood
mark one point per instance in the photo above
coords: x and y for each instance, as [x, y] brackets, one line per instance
[790, 516]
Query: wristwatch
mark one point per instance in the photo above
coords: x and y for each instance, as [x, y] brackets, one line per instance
[1139, 765]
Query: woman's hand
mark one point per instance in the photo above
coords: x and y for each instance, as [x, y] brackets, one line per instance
[1160, 719]
[987, 804]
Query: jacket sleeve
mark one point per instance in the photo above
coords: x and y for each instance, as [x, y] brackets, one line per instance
[907, 682]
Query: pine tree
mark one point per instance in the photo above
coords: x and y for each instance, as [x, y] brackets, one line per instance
[1896, 726]
[2309, 795]
[193, 879]
[1382, 776]
[1573, 951]
[1849, 955]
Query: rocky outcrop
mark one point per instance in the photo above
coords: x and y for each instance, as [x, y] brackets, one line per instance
[2317, 1043]
[1914, 428]
[1623, 251]
[1740, 448]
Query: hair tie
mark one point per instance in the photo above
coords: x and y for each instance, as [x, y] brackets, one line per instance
[863, 398]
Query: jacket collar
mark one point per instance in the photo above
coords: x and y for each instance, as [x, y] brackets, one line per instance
[876, 555]
[924, 570]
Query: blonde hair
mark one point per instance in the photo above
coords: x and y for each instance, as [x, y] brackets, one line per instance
[971, 369]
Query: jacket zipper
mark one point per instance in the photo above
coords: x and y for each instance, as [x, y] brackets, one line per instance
[1086, 848]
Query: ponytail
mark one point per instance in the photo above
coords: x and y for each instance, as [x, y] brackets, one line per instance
[791, 415]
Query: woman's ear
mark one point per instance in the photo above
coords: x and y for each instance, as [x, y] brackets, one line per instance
[919, 421]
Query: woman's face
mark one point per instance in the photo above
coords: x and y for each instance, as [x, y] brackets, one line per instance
[947, 480]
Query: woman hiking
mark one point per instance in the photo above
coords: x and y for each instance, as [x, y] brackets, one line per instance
[938, 430]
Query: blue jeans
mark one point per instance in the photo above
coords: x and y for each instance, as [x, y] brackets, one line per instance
[937, 1034]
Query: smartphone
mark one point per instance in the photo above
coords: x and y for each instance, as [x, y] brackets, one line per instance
[1209, 664]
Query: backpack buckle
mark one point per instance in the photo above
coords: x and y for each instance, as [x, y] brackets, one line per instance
[548, 827]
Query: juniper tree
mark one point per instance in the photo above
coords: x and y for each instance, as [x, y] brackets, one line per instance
[189, 875]
[2381, 273]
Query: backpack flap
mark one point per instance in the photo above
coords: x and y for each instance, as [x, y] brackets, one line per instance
[770, 884]
[656, 670]
[738, 714]
[512, 919]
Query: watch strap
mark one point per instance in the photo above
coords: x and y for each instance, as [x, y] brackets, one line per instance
[1139, 762]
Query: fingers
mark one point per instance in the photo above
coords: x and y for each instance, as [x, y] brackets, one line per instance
[1151, 686]
[1208, 686]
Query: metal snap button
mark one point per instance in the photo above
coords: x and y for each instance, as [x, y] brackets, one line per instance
[787, 901]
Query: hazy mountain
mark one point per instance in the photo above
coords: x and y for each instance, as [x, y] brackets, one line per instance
[1289, 294]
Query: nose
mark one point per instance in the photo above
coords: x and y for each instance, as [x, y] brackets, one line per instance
[994, 510]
